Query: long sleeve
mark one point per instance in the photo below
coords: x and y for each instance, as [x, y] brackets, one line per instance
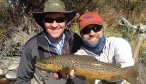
[26, 68]
[123, 54]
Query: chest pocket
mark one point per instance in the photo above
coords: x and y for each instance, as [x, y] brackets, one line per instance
[46, 53]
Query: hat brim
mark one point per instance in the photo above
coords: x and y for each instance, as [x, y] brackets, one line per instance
[38, 16]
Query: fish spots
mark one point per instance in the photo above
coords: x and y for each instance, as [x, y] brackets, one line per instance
[97, 64]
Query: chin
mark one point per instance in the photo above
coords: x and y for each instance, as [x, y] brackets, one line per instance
[56, 37]
[93, 42]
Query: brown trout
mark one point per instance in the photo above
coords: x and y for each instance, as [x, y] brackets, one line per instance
[88, 67]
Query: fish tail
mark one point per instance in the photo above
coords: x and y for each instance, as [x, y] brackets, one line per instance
[130, 74]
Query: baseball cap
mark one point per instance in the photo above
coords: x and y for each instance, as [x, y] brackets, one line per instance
[89, 18]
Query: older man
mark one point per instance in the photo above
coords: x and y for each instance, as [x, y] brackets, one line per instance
[54, 40]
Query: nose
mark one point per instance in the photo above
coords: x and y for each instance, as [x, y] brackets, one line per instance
[92, 33]
[54, 24]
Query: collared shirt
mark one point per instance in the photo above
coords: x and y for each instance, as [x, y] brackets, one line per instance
[57, 46]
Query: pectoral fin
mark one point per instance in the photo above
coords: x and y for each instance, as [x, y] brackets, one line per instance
[90, 81]
[113, 79]
[118, 65]
[64, 72]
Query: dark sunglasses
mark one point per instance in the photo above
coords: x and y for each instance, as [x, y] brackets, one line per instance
[87, 29]
[51, 20]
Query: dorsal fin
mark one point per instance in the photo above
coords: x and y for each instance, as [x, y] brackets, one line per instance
[118, 65]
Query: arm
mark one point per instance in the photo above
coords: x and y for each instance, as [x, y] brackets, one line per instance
[123, 53]
[26, 67]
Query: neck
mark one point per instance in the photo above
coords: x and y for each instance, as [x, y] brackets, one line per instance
[55, 40]
[95, 48]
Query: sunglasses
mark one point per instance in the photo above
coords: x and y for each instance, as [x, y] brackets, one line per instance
[51, 20]
[88, 29]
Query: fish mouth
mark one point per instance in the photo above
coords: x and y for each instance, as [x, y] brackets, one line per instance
[37, 65]
[40, 66]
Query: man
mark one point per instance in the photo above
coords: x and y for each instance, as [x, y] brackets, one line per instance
[54, 40]
[110, 50]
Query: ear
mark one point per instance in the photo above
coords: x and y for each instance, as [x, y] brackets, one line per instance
[43, 21]
[81, 34]
[66, 22]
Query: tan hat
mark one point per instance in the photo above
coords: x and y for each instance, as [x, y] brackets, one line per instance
[53, 6]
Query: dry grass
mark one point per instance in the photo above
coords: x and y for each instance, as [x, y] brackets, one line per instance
[3, 33]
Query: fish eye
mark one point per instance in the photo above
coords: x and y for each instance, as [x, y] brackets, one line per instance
[43, 61]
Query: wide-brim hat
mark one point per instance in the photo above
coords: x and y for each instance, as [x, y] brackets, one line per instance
[53, 6]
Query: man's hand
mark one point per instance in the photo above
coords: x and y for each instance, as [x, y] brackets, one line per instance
[59, 75]
[64, 75]
[55, 75]
[72, 74]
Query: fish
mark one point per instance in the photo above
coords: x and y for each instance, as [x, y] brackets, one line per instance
[88, 67]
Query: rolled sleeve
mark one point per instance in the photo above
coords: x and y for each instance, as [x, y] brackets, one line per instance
[123, 53]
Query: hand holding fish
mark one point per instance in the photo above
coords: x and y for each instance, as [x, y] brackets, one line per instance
[63, 75]
[55, 75]
[60, 75]
[72, 74]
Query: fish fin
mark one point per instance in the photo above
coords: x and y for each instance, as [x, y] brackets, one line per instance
[63, 75]
[64, 72]
[90, 81]
[118, 65]
[113, 79]
[130, 74]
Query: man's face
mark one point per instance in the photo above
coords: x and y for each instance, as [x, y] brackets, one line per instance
[55, 24]
[92, 34]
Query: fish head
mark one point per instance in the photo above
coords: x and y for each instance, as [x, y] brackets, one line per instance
[47, 66]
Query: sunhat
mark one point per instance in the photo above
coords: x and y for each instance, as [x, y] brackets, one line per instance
[53, 6]
[90, 18]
